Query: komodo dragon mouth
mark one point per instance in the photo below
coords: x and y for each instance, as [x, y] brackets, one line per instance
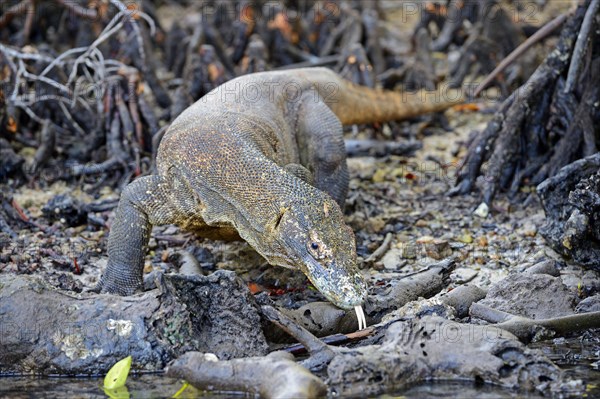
[346, 289]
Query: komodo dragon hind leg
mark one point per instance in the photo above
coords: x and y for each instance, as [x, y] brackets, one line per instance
[321, 138]
[143, 203]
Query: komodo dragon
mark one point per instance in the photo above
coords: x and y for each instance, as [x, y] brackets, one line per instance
[262, 158]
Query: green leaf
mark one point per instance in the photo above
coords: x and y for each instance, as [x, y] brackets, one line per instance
[117, 375]
[183, 388]
[117, 393]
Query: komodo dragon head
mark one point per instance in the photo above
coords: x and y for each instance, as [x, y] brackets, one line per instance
[310, 234]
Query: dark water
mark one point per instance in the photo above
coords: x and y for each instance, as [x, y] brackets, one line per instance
[157, 386]
[142, 386]
[579, 358]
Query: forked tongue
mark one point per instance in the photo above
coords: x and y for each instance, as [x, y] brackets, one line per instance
[360, 315]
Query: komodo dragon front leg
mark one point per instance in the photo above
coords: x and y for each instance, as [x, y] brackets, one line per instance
[146, 202]
[140, 207]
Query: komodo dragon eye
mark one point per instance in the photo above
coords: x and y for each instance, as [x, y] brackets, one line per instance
[317, 248]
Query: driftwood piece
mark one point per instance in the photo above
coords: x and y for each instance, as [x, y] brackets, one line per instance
[435, 348]
[274, 376]
[48, 331]
[335, 340]
[396, 293]
[528, 330]
[462, 297]
[320, 353]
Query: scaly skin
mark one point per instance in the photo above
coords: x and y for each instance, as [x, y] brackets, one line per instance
[262, 158]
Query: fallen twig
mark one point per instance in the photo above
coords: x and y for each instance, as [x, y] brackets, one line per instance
[378, 253]
[274, 376]
[321, 353]
[356, 148]
[335, 339]
[527, 329]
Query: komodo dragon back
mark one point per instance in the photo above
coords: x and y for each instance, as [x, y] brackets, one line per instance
[270, 168]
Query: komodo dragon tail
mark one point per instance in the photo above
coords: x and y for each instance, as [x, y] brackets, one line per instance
[354, 104]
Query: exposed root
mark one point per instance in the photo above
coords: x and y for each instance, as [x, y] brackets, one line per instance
[529, 139]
